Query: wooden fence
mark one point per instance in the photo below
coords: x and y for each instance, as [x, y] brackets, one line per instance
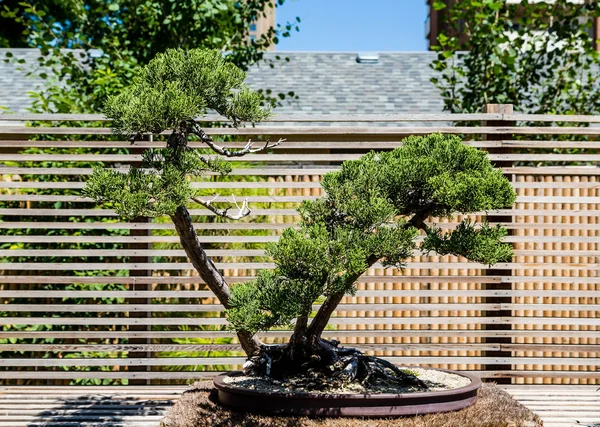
[88, 298]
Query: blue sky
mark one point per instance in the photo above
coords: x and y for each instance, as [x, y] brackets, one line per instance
[355, 25]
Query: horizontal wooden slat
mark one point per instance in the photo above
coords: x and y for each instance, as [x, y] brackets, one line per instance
[234, 225]
[192, 308]
[327, 130]
[119, 347]
[132, 239]
[106, 375]
[281, 212]
[275, 158]
[421, 293]
[214, 185]
[55, 266]
[354, 144]
[375, 278]
[238, 348]
[551, 118]
[210, 184]
[464, 333]
[193, 321]
[295, 117]
[226, 252]
[200, 374]
[42, 157]
[308, 170]
[212, 361]
[173, 280]
[111, 213]
[521, 143]
[202, 226]
[242, 239]
[279, 199]
[257, 171]
[381, 333]
[552, 170]
[123, 252]
[80, 199]
[554, 373]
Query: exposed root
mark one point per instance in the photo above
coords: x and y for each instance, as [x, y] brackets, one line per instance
[328, 366]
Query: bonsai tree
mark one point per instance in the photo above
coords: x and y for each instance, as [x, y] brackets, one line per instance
[374, 209]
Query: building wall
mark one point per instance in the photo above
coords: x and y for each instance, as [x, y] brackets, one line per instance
[262, 25]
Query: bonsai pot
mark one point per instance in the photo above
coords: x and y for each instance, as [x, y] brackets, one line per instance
[347, 405]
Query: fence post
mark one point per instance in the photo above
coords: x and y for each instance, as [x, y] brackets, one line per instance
[499, 338]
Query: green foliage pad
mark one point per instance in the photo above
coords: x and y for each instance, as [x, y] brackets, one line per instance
[178, 86]
[169, 93]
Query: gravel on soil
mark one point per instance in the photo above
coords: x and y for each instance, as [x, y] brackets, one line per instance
[436, 381]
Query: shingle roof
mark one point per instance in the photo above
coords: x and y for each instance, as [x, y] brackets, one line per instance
[336, 83]
[324, 82]
[15, 84]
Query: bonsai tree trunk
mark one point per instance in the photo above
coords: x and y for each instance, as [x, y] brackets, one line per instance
[209, 273]
[317, 362]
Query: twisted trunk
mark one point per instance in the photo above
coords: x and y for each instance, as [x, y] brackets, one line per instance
[209, 273]
[318, 324]
[312, 362]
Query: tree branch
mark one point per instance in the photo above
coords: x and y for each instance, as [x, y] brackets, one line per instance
[418, 220]
[319, 322]
[209, 272]
[322, 317]
[243, 210]
[205, 138]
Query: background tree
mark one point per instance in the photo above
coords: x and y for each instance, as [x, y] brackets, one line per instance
[114, 37]
[539, 56]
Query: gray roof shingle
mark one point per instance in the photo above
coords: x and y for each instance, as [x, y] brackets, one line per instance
[325, 83]
[14, 83]
[329, 83]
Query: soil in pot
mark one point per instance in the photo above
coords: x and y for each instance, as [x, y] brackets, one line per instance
[436, 391]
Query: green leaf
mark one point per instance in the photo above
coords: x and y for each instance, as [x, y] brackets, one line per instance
[439, 5]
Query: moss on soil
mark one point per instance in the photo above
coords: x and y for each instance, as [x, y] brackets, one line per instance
[494, 408]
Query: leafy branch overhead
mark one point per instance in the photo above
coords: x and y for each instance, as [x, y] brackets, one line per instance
[97, 47]
[178, 86]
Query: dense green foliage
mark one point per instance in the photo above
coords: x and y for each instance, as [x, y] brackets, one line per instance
[373, 210]
[178, 86]
[168, 93]
[109, 39]
[539, 56]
